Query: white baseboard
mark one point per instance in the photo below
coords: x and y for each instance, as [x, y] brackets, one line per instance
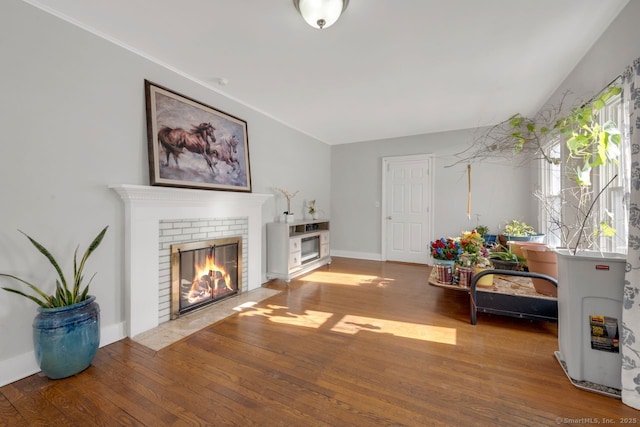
[357, 255]
[112, 333]
[18, 367]
[24, 365]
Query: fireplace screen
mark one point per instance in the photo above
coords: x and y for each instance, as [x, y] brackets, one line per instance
[204, 272]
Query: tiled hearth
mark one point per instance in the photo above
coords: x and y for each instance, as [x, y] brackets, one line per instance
[168, 333]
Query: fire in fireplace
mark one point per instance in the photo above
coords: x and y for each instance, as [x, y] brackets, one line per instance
[204, 272]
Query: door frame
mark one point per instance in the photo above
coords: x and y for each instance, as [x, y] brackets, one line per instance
[386, 162]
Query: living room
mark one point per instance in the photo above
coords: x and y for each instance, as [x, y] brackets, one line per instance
[75, 125]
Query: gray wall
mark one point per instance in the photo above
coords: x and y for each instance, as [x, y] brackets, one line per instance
[73, 122]
[500, 191]
[617, 48]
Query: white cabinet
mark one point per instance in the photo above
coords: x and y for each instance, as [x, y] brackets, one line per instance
[296, 248]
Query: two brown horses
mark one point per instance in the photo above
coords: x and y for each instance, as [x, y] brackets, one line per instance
[198, 141]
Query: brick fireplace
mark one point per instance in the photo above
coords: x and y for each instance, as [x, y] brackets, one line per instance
[148, 211]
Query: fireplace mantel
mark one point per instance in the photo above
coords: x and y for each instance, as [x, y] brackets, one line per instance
[145, 206]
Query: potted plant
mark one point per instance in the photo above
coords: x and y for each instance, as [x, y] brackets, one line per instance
[474, 257]
[502, 257]
[489, 239]
[311, 208]
[516, 230]
[289, 216]
[66, 331]
[445, 251]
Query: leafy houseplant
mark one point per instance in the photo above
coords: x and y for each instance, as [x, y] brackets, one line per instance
[588, 145]
[518, 229]
[482, 230]
[66, 332]
[64, 294]
[503, 257]
[504, 253]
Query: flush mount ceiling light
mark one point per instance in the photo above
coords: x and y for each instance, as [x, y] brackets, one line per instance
[321, 13]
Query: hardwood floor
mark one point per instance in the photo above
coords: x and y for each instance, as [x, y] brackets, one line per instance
[357, 343]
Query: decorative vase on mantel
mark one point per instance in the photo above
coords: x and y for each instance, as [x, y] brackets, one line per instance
[289, 218]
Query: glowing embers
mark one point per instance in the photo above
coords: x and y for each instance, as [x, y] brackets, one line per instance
[204, 272]
[210, 280]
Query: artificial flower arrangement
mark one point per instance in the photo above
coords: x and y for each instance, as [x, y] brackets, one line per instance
[474, 253]
[446, 248]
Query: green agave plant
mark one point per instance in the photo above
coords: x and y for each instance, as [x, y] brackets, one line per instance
[64, 295]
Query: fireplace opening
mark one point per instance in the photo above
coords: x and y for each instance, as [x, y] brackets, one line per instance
[204, 272]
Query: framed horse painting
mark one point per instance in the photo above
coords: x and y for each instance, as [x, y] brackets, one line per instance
[194, 145]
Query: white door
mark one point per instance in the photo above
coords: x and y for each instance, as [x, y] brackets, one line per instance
[407, 214]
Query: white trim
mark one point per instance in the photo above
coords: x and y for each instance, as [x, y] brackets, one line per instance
[357, 255]
[18, 367]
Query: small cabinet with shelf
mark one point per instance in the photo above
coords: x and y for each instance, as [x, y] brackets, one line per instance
[296, 248]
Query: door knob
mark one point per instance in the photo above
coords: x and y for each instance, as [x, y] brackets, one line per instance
[388, 217]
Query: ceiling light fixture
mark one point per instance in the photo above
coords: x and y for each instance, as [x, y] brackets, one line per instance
[321, 13]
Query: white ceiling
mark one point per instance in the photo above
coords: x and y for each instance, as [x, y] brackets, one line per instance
[387, 68]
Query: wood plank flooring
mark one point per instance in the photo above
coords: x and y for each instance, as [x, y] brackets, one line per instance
[356, 343]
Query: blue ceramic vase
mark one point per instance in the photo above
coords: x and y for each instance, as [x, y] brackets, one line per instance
[66, 338]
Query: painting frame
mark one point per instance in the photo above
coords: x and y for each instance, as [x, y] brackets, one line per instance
[193, 145]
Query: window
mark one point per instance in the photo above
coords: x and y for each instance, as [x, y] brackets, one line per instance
[550, 196]
[555, 192]
[612, 201]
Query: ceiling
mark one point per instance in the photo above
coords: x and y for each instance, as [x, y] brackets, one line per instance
[386, 69]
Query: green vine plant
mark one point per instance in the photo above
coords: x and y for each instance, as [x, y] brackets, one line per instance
[588, 145]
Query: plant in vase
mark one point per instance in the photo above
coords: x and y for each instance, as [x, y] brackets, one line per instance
[504, 258]
[474, 258]
[445, 248]
[66, 332]
[311, 208]
[516, 230]
[289, 216]
[445, 251]
[472, 245]
[489, 239]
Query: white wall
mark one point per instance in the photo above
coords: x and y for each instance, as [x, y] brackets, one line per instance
[500, 191]
[73, 122]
